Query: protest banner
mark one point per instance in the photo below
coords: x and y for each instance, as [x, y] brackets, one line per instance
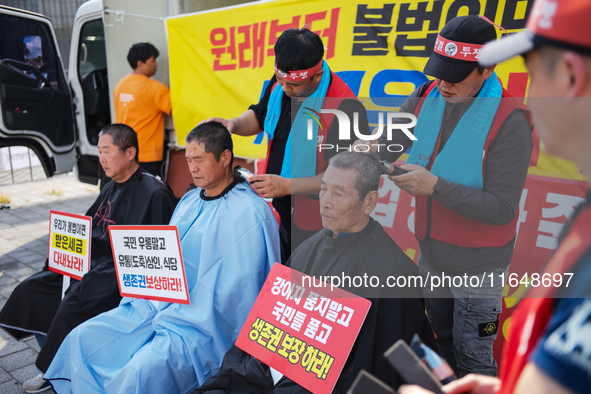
[149, 263]
[379, 49]
[301, 332]
[69, 244]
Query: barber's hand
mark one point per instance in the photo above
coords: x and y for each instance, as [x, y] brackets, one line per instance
[418, 182]
[412, 389]
[270, 186]
[473, 384]
[372, 144]
[228, 123]
[363, 146]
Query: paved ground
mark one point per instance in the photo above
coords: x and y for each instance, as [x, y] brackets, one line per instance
[24, 232]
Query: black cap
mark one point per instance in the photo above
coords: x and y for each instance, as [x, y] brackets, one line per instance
[467, 29]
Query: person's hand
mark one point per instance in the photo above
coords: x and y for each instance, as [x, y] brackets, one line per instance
[412, 389]
[473, 384]
[469, 384]
[418, 182]
[372, 144]
[364, 145]
[270, 185]
[228, 123]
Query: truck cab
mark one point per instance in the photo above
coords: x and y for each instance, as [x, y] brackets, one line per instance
[60, 117]
[35, 98]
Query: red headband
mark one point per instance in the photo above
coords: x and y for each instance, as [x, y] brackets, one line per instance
[299, 75]
[457, 50]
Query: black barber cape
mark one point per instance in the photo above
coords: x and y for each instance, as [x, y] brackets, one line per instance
[35, 305]
[371, 252]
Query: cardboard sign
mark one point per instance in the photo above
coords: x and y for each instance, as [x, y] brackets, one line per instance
[300, 332]
[69, 244]
[149, 263]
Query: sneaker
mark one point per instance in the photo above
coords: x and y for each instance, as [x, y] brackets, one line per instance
[36, 385]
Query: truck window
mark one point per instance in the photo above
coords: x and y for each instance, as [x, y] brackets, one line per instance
[92, 51]
[33, 51]
[29, 41]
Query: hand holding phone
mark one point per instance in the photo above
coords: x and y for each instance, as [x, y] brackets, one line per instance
[391, 169]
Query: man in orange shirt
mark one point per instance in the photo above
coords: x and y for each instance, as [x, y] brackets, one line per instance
[141, 103]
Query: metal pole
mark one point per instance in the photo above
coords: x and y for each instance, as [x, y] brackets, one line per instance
[30, 166]
[10, 161]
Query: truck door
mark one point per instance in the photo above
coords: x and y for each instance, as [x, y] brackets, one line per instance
[89, 82]
[35, 99]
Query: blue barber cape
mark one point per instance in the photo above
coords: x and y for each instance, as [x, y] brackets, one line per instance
[228, 245]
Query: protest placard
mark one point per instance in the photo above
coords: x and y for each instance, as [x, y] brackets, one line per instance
[69, 244]
[148, 262]
[301, 332]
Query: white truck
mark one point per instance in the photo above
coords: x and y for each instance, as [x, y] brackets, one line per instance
[59, 117]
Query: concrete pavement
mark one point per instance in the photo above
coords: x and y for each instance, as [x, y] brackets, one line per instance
[24, 230]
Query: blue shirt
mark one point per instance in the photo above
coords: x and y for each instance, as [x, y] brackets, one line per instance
[564, 353]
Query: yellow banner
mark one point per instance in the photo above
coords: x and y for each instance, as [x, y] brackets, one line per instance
[69, 244]
[221, 61]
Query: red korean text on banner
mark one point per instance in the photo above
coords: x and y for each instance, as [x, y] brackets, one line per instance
[247, 46]
[149, 263]
[69, 244]
[306, 333]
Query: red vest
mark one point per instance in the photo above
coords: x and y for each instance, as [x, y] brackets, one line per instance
[532, 315]
[453, 228]
[306, 215]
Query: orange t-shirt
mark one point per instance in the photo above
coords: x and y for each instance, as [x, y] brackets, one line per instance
[141, 102]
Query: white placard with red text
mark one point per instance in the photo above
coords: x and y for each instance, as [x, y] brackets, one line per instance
[69, 244]
[149, 263]
[304, 332]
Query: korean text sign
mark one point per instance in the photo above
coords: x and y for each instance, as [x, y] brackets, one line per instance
[304, 333]
[69, 244]
[148, 262]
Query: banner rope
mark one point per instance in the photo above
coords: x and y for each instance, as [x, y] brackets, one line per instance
[120, 16]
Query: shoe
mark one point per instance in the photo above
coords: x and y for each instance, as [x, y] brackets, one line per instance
[36, 385]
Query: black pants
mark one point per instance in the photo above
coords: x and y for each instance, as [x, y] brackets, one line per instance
[290, 237]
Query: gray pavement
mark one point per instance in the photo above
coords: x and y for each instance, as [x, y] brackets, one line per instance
[24, 230]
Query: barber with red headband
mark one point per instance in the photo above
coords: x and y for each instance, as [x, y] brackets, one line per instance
[294, 164]
[468, 168]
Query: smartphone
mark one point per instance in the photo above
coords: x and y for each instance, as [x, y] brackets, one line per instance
[397, 170]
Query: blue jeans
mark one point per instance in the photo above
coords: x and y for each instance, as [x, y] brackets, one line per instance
[465, 319]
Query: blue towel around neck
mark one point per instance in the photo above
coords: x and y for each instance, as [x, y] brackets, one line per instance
[460, 160]
[299, 160]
